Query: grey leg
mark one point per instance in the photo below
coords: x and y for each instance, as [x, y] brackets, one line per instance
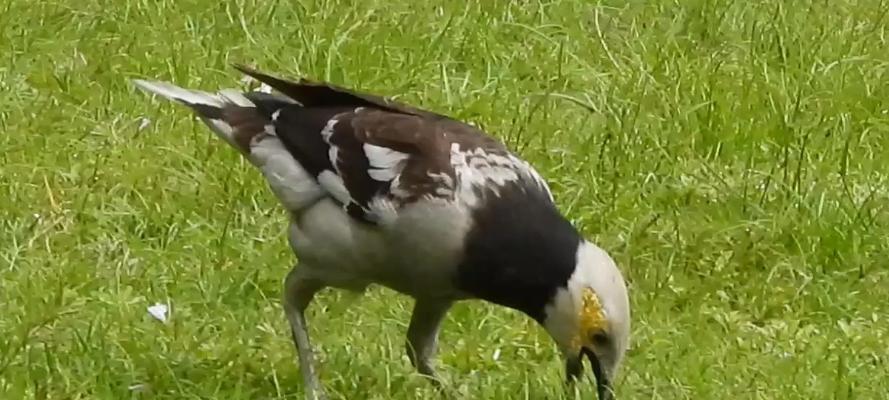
[299, 290]
[422, 334]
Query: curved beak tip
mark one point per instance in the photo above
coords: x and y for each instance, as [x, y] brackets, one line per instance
[603, 384]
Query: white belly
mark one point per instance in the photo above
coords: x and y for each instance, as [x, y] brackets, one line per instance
[416, 254]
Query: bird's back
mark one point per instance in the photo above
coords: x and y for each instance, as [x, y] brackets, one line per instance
[379, 191]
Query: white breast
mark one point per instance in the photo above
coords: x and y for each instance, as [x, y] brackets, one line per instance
[417, 254]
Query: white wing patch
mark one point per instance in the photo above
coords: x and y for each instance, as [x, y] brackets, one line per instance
[332, 151]
[328, 129]
[477, 169]
[444, 184]
[385, 163]
[332, 181]
[532, 172]
[333, 155]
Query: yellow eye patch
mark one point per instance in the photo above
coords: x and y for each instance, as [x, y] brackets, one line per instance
[590, 320]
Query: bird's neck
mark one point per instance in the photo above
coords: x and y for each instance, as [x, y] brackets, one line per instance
[518, 254]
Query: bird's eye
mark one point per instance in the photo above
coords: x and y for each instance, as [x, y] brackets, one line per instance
[600, 338]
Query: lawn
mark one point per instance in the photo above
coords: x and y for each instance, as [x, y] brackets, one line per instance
[733, 157]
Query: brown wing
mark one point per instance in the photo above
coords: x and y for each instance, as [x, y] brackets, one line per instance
[376, 161]
[374, 155]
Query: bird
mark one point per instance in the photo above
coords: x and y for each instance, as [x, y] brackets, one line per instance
[380, 192]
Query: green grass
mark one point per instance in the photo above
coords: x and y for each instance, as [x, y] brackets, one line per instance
[733, 156]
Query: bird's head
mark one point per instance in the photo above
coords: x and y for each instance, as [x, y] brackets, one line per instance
[590, 317]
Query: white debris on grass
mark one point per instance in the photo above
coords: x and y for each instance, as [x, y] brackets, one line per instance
[143, 123]
[159, 311]
[139, 387]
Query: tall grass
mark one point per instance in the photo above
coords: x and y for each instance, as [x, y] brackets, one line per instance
[731, 155]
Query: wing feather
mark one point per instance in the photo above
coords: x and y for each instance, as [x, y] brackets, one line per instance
[374, 155]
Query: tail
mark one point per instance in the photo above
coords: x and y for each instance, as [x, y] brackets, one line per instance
[244, 120]
[232, 115]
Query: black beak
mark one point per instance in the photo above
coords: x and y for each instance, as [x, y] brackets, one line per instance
[574, 367]
[603, 385]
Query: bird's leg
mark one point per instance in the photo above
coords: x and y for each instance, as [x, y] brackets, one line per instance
[422, 334]
[299, 290]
